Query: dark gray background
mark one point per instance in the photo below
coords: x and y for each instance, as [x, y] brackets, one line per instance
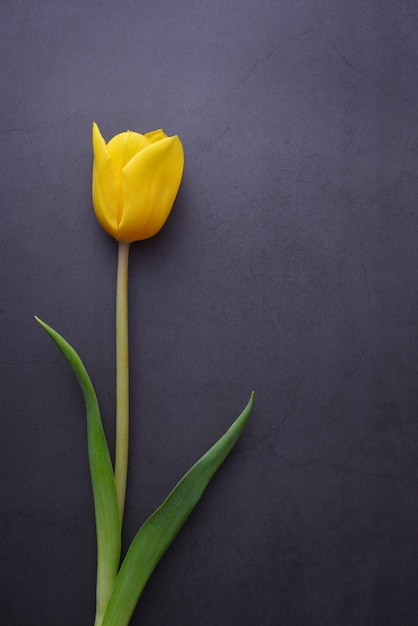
[289, 265]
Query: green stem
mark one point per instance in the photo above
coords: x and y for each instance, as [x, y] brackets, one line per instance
[122, 377]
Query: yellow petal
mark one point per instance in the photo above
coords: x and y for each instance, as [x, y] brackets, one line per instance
[125, 146]
[151, 182]
[156, 135]
[106, 188]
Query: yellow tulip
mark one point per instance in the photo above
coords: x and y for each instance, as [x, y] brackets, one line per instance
[135, 182]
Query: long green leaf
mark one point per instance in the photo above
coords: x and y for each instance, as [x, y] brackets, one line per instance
[161, 528]
[102, 479]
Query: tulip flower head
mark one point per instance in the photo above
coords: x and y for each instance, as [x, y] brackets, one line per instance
[135, 182]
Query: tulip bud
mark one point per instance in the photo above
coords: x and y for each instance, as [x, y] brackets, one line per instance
[135, 182]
